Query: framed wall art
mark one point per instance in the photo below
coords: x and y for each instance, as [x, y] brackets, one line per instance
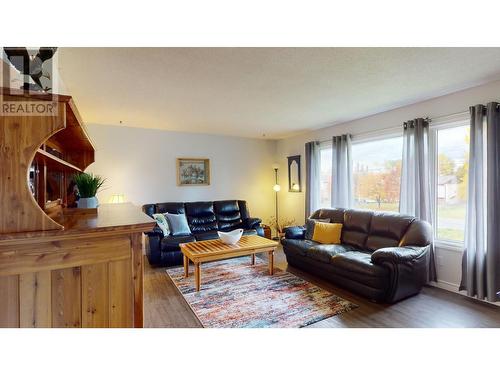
[193, 172]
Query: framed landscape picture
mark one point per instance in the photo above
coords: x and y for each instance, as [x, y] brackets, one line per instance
[193, 172]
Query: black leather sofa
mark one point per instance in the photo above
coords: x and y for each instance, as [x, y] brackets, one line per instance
[382, 256]
[204, 219]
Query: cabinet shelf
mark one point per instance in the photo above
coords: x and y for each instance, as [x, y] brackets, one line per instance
[55, 163]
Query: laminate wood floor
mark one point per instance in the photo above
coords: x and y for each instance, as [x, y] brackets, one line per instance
[164, 306]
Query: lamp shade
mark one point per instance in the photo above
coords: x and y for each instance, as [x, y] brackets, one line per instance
[117, 198]
[276, 188]
[276, 165]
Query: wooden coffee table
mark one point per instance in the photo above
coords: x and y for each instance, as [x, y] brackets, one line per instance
[211, 250]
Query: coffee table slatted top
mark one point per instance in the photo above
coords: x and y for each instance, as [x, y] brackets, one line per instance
[201, 249]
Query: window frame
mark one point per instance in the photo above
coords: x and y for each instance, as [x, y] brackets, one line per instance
[434, 128]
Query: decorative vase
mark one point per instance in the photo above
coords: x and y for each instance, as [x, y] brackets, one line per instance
[232, 237]
[91, 202]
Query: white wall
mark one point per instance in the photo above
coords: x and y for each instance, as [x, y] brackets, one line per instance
[292, 204]
[141, 163]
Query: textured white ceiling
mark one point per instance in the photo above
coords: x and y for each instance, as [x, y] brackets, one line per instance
[254, 91]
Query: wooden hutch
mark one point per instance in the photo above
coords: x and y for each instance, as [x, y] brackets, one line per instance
[61, 267]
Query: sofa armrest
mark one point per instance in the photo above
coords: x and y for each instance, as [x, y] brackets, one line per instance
[398, 255]
[408, 269]
[155, 232]
[295, 233]
[153, 247]
[251, 223]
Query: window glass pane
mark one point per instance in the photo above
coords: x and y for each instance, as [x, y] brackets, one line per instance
[377, 174]
[326, 177]
[451, 192]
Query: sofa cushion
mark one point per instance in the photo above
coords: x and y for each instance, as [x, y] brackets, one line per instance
[243, 209]
[356, 227]
[171, 243]
[201, 217]
[335, 215]
[170, 207]
[251, 222]
[387, 229]
[358, 262]
[418, 234]
[377, 242]
[324, 253]
[297, 247]
[390, 225]
[204, 236]
[228, 215]
[376, 290]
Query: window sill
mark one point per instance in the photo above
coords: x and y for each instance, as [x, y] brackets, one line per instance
[450, 245]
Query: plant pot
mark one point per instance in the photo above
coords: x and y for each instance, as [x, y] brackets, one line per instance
[88, 202]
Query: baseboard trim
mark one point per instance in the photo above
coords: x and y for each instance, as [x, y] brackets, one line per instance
[451, 287]
[446, 285]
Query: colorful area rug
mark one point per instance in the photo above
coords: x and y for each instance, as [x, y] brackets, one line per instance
[235, 294]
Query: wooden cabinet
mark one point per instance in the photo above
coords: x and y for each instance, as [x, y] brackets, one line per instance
[89, 274]
[74, 269]
[267, 231]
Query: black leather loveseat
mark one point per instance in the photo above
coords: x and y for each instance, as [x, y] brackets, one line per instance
[204, 219]
[382, 256]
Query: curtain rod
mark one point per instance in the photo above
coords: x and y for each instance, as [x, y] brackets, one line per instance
[437, 119]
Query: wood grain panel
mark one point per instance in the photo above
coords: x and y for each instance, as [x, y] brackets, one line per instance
[35, 307]
[66, 298]
[9, 301]
[95, 296]
[20, 137]
[121, 298]
[62, 254]
[138, 277]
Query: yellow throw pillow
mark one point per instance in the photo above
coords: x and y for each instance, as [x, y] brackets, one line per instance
[327, 233]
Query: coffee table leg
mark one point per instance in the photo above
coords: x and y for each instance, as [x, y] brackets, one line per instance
[271, 262]
[186, 266]
[253, 259]
[197, 276]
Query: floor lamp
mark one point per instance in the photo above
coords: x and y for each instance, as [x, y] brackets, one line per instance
[276, 189]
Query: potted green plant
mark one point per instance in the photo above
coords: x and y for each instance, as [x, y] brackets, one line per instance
[88, 185]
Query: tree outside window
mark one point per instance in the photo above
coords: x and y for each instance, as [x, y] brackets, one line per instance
[377, 174]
